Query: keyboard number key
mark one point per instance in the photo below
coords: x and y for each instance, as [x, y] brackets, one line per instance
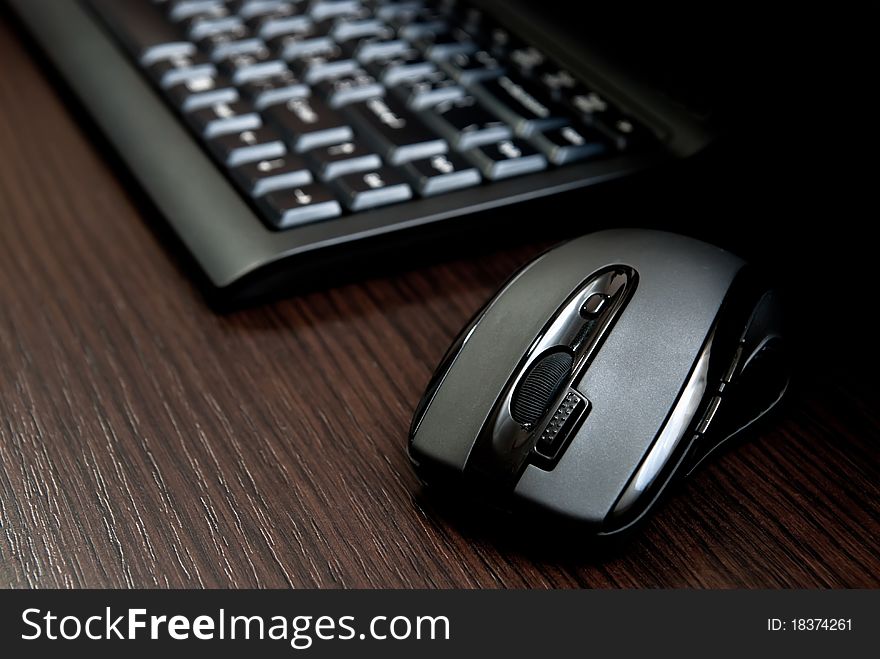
[296, 206]
[506, 158]
[224, 118]
[264, 176]
[623, 131]
[569, 144]
[441, 173]
[310, 123]
[341, 159]
[371, 189]
[201, 91]
[247, 146]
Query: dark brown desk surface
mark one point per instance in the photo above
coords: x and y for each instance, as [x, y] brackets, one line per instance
[145, 441]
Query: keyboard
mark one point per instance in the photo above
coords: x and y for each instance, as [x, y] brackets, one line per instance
[277, 135]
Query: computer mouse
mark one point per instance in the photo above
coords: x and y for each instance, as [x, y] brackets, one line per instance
[602, 371]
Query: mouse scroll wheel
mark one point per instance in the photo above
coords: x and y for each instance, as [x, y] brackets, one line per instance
[540, 386]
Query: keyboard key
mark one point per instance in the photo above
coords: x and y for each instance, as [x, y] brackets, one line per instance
[595, 110]
[392, 9]
[310, 123]
[501, 43]
[224, 118]
[167, 51]
[306, 44]
[244, 67]
[518, 104]
[506, 158]
[439, 46]
[296, 206]
[202, 91]
[569, 144]
[406, 66]
[396, 133]
[527, 59]
[467, 68]
[411, 12]
[465, 124]
[559, 83]
[228, 29]
[323, 9]
[470, 19]
[412, 26]
[221, 46]
[623, 131]
[182, 9]
[587, 103]
[330, 63]
[276, 88]
[177, 68]
[248, 146]
[255, 8]
[285, 20]
[350, 88]
[440, 174]
[375, 48]
[371, 189]
[264, 176]
[201, 27]
[349, 30]
[340, 159]
[430, 90]
[206, 11]
[422, 29]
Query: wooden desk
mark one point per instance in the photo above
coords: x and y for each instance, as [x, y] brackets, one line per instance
[146, 441]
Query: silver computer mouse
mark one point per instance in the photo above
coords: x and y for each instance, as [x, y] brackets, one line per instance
[599, 372]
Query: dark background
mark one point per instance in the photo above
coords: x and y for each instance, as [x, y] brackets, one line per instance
[786, 183]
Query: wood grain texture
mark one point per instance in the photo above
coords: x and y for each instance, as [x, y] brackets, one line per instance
[148, 442]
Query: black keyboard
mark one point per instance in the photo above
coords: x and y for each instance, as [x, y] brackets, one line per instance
[335, 121]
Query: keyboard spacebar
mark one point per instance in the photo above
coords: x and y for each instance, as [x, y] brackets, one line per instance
[142, 28]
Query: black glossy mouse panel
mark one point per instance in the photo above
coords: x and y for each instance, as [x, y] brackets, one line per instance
[488, 357]
[539, 410]
[560, 387]
[638, 375]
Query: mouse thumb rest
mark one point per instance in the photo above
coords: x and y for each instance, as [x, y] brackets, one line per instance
[755, 382]
[741, 374]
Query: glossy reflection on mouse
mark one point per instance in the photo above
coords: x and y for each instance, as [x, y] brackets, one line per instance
[602, 370]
